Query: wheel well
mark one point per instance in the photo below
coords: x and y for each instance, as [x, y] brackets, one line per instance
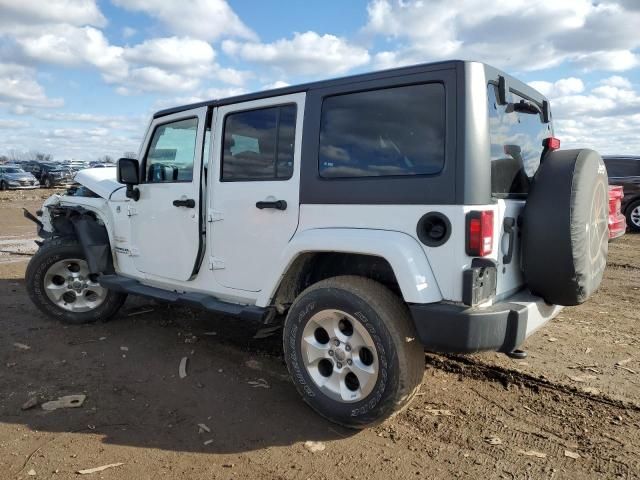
[310, 268]
[633, 200]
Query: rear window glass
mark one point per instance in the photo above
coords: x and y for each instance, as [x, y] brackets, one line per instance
[620, 167]
[516, 145]
[392, 131]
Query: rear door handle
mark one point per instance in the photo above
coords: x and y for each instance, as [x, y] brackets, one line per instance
[188, 203]
[509, 229]
[277, 204]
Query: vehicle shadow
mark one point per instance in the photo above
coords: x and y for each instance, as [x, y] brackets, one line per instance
[236, 385]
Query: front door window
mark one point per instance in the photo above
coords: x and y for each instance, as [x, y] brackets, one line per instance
[172, 152]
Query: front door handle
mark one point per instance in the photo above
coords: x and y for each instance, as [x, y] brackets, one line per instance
[188, 203]
[277, 204]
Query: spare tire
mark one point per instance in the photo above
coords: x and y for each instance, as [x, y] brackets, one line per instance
[565, 231]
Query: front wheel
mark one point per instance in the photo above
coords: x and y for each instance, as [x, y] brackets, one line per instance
[60, 285]
[633, 216]
[352, 351]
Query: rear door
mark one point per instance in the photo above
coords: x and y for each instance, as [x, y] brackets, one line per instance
[516, 147]
[165, 221]
[254, 187]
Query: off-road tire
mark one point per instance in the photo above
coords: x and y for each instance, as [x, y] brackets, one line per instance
[387, 320]
[49, 253]
[630, 208]
[3, 186]
[48, 183]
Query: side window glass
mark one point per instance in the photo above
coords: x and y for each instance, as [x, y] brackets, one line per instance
[386, 132]
[171, 152]
[258, 144]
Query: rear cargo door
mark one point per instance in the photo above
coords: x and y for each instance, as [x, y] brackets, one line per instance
[516, 146]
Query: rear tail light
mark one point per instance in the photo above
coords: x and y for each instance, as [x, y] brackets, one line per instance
[479, 233]
[551, 143]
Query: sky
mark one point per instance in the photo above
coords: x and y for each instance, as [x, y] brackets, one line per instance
[79, 79]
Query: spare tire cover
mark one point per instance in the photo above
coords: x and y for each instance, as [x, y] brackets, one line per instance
[565, 231]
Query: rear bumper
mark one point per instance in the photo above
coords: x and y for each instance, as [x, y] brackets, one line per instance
[501, 327]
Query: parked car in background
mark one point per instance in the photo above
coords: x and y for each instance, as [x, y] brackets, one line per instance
[51, 174]
[14, 177]
[617, 221]
[625, 172]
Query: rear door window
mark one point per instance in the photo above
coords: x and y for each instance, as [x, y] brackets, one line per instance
[258, 144]
[387, 132]
[516, 145]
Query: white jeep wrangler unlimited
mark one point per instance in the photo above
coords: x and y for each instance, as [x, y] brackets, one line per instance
[379, 215]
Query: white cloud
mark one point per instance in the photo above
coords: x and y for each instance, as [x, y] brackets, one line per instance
[204, 19]
[171, 52]
[305, 54]
[9, 123]
[74, 12]
[606, 118]
[274, 85]
[616, 81]
[515, 34]
[18, 86]
[564, 86]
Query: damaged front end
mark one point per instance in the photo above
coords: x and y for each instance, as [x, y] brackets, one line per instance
[64, 216]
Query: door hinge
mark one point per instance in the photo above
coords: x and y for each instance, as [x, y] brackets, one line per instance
[216, 263]
[131, 211]
[214, 216]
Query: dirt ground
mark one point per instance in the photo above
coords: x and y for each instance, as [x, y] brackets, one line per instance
[570, 410]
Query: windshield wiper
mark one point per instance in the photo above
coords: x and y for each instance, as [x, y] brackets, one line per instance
[523, 106]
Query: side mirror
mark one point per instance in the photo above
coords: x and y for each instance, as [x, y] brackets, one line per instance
[129, 174]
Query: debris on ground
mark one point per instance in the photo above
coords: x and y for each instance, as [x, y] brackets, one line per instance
[31, 473]
[260, 383]
[140, 311]
[439, 412]
[190, 338]
[573, 455]
[89, 471]
[591, 390]
[210, 334]
[492, 440]
[620, 363]
[68, 401]
[32, 402]
[582, 378]
[203, 428]
[253, 364]
[532, 453]
[21, 346]
[182, 369]
[208, 442]
[266, 332]
[124, 349]
[314, 447]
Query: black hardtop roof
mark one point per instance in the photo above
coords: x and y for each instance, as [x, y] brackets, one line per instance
[413, 69]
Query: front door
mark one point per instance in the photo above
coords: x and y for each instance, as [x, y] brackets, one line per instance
[166, 222]
[255, 187]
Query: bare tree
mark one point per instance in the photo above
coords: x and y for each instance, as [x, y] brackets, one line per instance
[130, 155]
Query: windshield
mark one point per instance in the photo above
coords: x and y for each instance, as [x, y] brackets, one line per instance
[516, 131]
[13, 170]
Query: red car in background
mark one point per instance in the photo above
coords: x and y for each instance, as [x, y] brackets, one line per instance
[617, 222]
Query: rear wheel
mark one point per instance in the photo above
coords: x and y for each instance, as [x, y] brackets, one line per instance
[48, 182]
[3, 185]
[61, 286]
[633, 216]
[352, 351]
